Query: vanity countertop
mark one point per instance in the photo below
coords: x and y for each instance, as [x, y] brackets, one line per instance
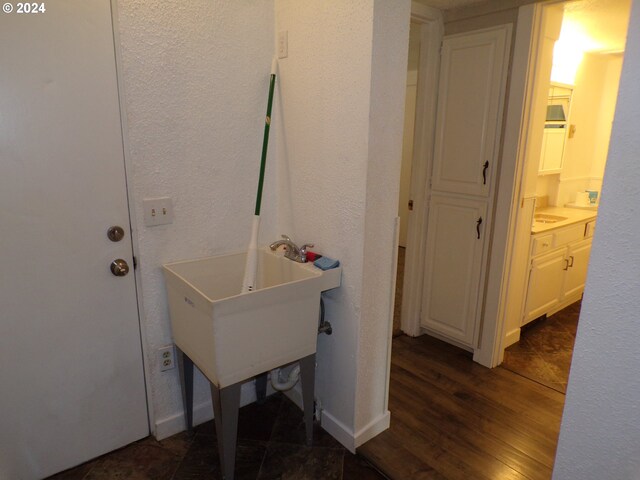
[573, 215]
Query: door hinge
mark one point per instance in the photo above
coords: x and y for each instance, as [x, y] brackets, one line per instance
[135, 263]
[410, 205]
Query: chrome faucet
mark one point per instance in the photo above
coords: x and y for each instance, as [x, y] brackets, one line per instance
[292, 251]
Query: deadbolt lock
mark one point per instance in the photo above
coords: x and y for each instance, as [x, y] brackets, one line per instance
[115, 233]
[119, 267]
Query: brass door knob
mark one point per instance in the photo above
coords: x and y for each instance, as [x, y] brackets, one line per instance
[119, 267]
[115, 233]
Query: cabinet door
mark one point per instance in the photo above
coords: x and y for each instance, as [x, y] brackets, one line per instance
[552, 150]
[470, 95]
[576, 276]
[545, 283]
[453, 266]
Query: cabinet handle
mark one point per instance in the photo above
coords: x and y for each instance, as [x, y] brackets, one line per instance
[571, 264]
[566, 264]
[478, 223]
[484, 172]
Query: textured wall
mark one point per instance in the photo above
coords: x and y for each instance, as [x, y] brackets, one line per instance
[323, 114]
[195, 79]
[600, 434]
[388, 84]
[340, 118]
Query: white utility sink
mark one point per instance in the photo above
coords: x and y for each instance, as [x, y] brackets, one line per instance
[547, 218]
[232, 336]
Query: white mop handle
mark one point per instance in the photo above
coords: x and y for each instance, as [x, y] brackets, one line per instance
[274, 65]
[251, 265]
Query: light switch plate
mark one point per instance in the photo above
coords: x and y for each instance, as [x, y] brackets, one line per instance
[157, 211]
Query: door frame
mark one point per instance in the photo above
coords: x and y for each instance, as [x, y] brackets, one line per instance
[431, 34]
[128, 174]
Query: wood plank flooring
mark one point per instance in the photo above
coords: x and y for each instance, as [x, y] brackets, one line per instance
[454, 419]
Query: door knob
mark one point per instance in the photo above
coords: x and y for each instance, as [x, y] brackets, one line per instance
[119, 267]
[115, 233]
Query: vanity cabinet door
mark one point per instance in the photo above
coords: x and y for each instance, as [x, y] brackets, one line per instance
[578, 260]
[546, 283]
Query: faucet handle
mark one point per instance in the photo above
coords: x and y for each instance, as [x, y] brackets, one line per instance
[285, 237]
[303, 251]
[303, 248]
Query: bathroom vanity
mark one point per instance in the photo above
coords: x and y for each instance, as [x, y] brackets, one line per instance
[559, 258]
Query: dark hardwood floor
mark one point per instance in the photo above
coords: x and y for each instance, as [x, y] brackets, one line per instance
[455, 419]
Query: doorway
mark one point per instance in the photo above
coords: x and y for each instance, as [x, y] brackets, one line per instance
[405, 201]
[72, 376]
[562, 187]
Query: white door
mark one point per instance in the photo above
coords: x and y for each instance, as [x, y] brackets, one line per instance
[467, 138]
[576, 275]
[71, 371]
[470, 97]
[455, 239]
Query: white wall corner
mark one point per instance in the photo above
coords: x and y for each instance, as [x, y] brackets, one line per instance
[339, 431]
[376, 426]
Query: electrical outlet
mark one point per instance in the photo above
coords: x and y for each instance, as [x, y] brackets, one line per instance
[157, 211]
[167, 358]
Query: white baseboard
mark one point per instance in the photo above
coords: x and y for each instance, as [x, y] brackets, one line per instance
[338, 430]
[376, 426]
[345, 435]
[512, 337]
[202, 412]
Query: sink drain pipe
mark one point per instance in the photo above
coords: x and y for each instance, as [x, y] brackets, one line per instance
[282, 385]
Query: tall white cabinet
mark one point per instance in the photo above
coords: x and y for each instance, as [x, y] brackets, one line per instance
[467, 141]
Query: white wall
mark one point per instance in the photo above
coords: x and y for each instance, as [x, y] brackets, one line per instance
[342, 85]
[195, 83]
[592, 109]
[600, 434]
[386, 114]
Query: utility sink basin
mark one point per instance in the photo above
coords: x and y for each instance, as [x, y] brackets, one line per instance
[232, 336]
[547, 218]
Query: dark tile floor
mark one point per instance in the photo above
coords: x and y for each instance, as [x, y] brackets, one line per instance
[271, 445]
[544, 351]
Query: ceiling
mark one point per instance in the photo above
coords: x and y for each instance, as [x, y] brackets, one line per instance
[600, 24]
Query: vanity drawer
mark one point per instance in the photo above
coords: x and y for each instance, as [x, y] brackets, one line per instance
[542, 244]
[569, 234]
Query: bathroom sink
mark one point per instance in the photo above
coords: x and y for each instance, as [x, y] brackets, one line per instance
[547, 218]
[232, 336]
